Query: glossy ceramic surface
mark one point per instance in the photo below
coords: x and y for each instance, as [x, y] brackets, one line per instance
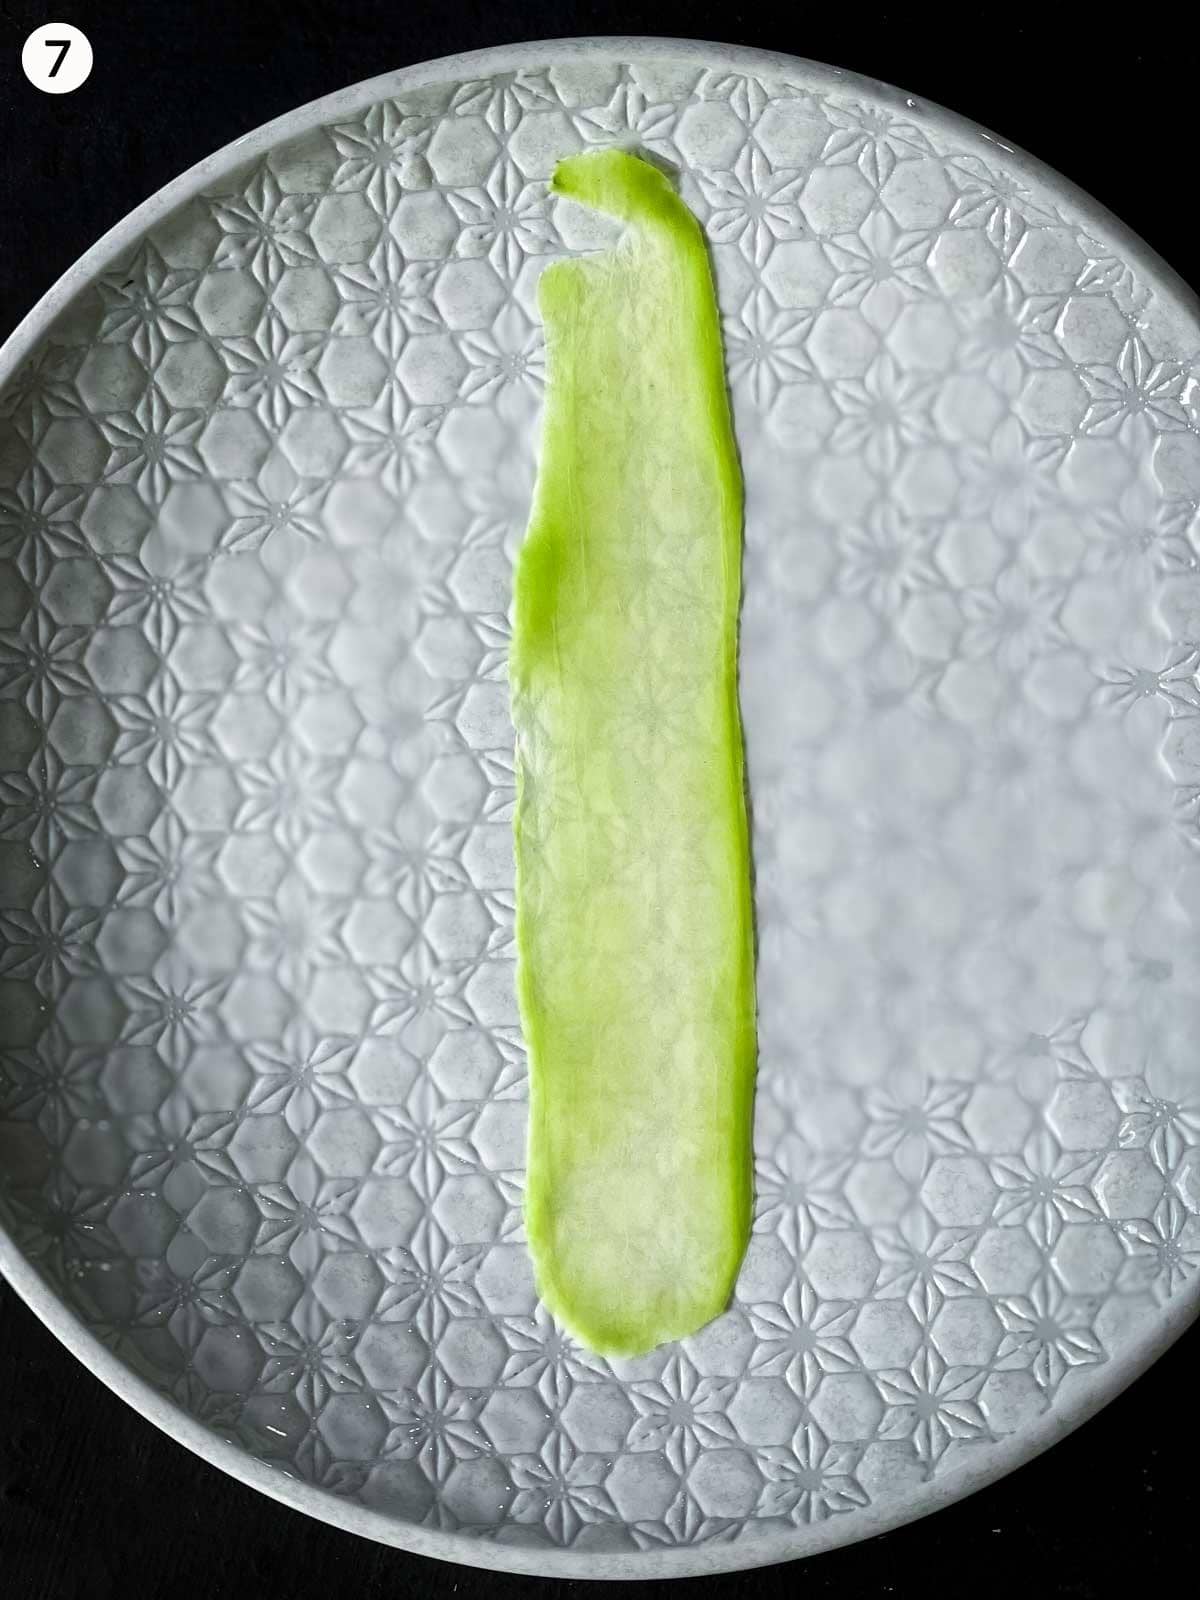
[265, 458]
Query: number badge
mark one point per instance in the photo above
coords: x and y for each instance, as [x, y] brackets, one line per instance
[57, 58]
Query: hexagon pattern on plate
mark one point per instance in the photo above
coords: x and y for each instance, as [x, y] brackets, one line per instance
[262, 1090]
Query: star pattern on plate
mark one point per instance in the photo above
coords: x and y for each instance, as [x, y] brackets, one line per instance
[262, 1086]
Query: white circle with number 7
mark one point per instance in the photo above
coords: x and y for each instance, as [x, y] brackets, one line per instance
[57, 57]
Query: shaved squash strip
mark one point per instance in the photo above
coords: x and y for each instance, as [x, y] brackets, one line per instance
[634, 920]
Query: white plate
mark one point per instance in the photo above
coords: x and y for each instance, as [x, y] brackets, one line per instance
[266, 455]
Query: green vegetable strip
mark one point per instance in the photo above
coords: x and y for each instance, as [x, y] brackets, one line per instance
[634, 923]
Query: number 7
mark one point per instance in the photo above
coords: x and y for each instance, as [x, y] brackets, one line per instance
[62, 46]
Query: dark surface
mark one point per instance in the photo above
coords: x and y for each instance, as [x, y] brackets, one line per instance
[94, 1502]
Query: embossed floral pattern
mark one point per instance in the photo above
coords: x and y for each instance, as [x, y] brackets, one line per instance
[262, 1084]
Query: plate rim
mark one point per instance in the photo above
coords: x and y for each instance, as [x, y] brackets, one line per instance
[1097, 1387]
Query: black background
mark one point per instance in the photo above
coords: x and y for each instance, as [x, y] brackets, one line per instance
[96, 1503]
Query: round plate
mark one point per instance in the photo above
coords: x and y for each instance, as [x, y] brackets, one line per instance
[266, 455]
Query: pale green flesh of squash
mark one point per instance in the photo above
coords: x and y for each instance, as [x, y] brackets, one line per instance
[635, 965]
